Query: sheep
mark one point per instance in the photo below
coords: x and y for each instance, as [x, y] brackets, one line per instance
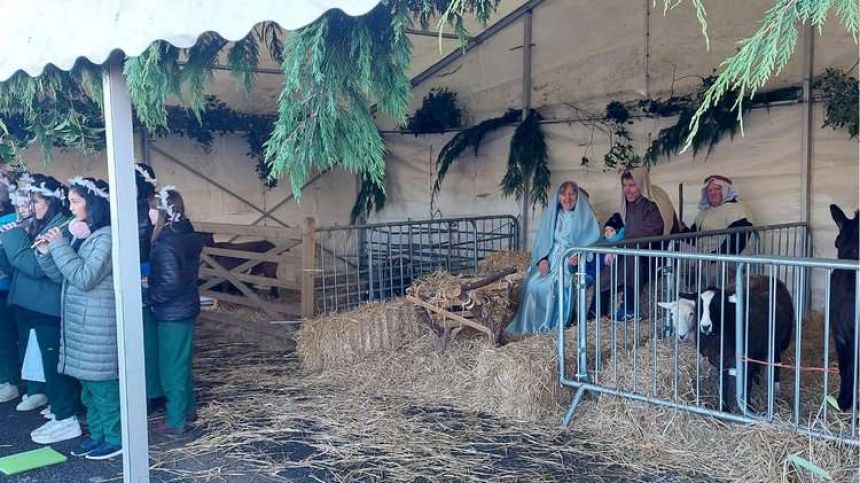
[842, 306]
[682, 314]
[718, 316]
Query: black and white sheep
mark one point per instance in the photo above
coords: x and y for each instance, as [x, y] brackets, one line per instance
[718, 317]
[843, 286]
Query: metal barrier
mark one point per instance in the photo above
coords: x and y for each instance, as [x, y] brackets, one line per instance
[356, 264]
[779, 240]
[749, 333]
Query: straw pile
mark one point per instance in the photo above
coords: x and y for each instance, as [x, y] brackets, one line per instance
[502, 259]
[345, 337]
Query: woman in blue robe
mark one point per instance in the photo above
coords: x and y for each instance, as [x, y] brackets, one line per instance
[566, 223]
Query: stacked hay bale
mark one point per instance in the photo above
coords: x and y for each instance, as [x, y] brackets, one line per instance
[342, 338]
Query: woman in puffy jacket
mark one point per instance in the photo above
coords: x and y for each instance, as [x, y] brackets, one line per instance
[174, 300]
[88, 351]
[35, 300]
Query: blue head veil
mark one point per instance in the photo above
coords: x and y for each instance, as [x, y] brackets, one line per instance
[586, 232]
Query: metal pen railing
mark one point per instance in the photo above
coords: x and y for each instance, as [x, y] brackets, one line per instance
[762, 328]
[361, 263]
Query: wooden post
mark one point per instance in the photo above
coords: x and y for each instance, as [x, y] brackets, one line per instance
[308, 267]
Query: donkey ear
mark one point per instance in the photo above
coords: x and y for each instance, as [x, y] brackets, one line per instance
[838, 215]
[733, 298]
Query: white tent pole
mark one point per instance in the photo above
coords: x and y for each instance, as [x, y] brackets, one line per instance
[126, 274]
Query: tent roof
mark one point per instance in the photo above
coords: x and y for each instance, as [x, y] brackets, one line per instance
[58, 32]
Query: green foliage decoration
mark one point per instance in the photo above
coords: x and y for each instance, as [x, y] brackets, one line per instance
[839, 94]
[767, 51]
[439, 111]
[370, 198]
[527, 162]
[469, 138]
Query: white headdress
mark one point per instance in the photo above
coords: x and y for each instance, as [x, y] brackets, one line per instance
[43, 190]
[164, 204]
[89, 185]
[145, 175]
[25, 180]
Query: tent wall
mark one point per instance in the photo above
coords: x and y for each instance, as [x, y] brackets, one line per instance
[329, 199]
[579, 67]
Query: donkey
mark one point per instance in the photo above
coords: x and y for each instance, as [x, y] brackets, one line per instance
[842, 306]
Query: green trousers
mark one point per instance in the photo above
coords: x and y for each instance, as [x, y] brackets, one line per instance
[101, 399]
[62, 390]
[150, 354]
[10, 355]
[22, 323]
[175, 347]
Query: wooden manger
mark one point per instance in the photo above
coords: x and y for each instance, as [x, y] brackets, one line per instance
[457, 303]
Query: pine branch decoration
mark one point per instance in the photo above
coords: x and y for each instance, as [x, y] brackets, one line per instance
[528, 161]
[467, 138]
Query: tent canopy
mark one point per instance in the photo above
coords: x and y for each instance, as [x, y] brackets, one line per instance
[58, 32]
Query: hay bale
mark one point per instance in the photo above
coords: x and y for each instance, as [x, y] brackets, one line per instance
[520, 380]
[502, 259]
[342, 338]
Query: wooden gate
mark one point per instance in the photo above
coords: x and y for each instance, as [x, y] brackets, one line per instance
[286, 264]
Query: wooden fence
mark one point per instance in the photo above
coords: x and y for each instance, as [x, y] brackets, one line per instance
[245, 271]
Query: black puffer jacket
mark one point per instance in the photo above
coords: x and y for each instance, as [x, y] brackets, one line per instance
[144, 229]
[175, 262]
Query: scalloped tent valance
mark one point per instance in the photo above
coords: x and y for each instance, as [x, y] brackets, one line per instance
[37, 33]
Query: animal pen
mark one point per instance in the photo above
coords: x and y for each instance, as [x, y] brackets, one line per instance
[317, 270]
[665, 368]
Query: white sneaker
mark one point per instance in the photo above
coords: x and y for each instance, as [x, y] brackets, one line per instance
[8, 392]
[56, 431]
[46, 413]
[30, 403]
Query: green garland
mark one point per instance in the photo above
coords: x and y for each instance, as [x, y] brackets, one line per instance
[839, 93]
[469, 138]
[371, 197]
[527, 161]
[338, 71]
[715, 125]
[439, 111]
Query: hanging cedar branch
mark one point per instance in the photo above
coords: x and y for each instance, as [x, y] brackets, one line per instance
[370, 198]
[470, 137]
[767, 51]
[527, 161]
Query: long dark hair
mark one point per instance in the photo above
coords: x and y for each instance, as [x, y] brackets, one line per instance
[56, 206]
[97, 207]
[145, 189]
[174, 199]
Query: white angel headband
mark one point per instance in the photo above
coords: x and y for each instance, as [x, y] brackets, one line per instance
[165, 205]
[145, 175]
[25, 180]
[44, 191]
[89, 185]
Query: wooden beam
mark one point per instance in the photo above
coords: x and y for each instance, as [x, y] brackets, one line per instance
[280, 310]
[273, 282]
[243, 254]
[218, 185]
[278, 233]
